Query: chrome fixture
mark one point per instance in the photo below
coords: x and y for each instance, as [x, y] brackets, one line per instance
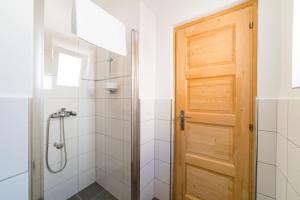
[61, 114]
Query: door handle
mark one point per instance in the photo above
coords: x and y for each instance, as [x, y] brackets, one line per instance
[182, 120]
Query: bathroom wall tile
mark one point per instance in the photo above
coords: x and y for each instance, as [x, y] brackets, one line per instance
[262, 197]
[282, 154]
[294, 166]
[115, 187]
[86, 107]
[161, 190]
[293, 121]
[162, 151]
[147, 193]
[100, 142]
[280, 186]
[147, 153]
[163, 109]
[102, 70]
[267, 115]
[100, 160]
[87, 178]
[14, 136]
[116, 129]
[102, 54]
[162, 171]
[127, 81]
[266, 179]
[86, 143]
[267, 147]
[127, 109]
[100, 125]
[291, 193]
[127, 153]
[86, 161]
[126, 192]
[116, 108]
[55, 155]
[127, 175]
[115, 148]
[146, 109]
[147, 174]
[15, 188]
[115, 168]
[117, 66]
[101, 93]
[101, 177]
[127, 131]
[162, 130]
[101, 107]
[63, 191]
[71, 129]
[147, 131]
[53, 180]
[87, 89]
[282, 117]
[86, 125]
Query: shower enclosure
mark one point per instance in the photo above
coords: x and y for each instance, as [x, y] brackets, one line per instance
[85, 142]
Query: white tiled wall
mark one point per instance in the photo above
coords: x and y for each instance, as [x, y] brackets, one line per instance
[278, 137]
[267, 144]
[155, 148]
[163, 136]
[147, 163]
[80, 130]
[14, 134]
[113, 125]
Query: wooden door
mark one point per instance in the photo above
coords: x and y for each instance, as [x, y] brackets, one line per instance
[213, 87]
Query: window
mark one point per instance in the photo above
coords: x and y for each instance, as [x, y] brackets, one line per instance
[296, 46]
[69, 68]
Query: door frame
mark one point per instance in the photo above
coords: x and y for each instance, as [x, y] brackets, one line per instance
[253, 42]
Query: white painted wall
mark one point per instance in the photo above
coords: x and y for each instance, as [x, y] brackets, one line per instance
[147, 52]
[286, 50]
[16, 52]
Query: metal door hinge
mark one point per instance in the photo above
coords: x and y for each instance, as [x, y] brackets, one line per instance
[251, 25]
[251, 127]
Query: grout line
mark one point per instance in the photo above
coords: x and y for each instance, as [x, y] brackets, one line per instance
[267, 131]
[148, 141]
[157, 178]
[162, 140]
[142, 167]
[13, 176]
[162, 161]
[274, 165]
[265, 195]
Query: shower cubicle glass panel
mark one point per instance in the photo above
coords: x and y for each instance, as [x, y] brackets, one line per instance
[86, 145]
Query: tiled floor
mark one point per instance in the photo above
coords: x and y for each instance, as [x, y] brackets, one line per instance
[93, 192]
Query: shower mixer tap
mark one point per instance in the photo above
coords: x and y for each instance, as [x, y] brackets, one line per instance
[63, 113]
[61, 145]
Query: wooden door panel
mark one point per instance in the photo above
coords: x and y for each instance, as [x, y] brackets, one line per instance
[213, 88]
[203, 184]
[211, 95]
[213, 141]
[213, 47]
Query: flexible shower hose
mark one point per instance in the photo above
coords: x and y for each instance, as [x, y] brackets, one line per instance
[62, 134]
